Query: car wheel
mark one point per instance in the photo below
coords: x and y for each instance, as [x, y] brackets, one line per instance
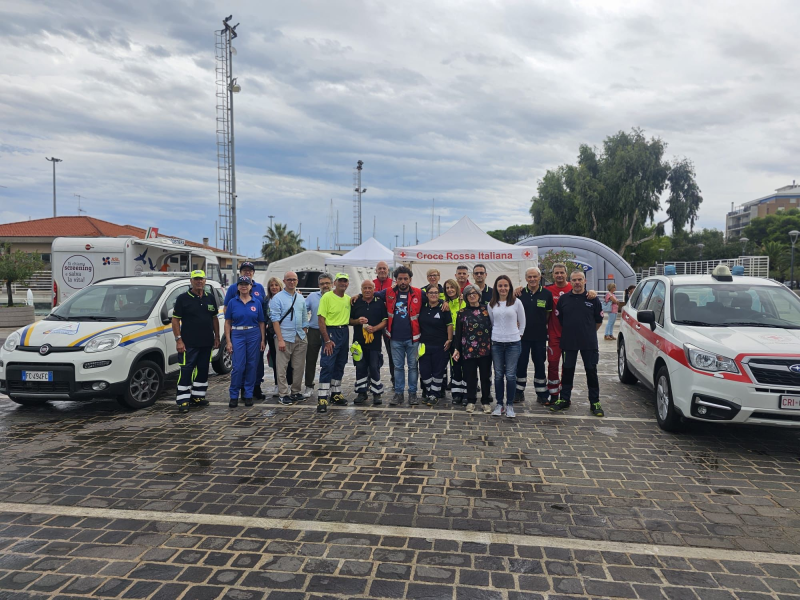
[668, 418]
[223, 362]
[625, 375]
[30, 401]
[144, 385]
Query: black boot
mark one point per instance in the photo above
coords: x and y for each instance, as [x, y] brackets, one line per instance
[233, 403]
[258, 394]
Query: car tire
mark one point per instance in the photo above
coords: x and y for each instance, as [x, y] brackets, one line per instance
[223, 361]
[145, 384]
[624, 373]
[30, 401]
[666, 415]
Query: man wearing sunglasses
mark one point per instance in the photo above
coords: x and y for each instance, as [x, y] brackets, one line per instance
[479, 275]
[290, 321]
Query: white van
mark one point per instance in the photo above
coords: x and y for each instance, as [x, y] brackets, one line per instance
[79, 262]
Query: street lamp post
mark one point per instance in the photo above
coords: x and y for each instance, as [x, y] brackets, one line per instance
[744, 241]
[793, 237]
[701, 246]
[54, 160]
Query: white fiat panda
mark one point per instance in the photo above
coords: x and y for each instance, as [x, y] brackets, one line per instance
[714, 347]
[111, 339]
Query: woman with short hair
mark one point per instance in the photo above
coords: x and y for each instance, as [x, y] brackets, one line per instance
[244, 332]
[473, 342]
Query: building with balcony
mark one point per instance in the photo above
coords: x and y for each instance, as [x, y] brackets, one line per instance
[784, 198]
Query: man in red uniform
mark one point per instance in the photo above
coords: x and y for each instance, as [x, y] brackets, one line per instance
[462, 276]
[384, 282]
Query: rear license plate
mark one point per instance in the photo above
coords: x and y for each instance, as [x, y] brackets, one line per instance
[790, 402]
[37, 376]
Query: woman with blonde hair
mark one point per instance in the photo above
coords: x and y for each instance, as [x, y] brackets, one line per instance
[452, 296]
[274, 286]
[611, 308]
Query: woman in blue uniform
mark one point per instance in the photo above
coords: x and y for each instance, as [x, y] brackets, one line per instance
[244, 330]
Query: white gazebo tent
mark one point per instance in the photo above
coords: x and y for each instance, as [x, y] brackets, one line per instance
[367, 254]
[467, 244]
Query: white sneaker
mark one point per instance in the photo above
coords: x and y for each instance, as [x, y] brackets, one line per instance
[498, 410]
[307, 393]
[510, 412]
[471, 407]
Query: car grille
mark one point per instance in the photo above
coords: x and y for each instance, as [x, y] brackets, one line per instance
[775, 371]
[39, 387]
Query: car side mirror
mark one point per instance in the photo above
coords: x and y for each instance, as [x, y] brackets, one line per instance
[647, 317]
[166, 315]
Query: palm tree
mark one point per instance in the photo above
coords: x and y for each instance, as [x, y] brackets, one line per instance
[777, 257]
[280, 242]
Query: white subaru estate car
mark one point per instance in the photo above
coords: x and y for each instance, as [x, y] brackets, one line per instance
[714, 347]
[111, 339]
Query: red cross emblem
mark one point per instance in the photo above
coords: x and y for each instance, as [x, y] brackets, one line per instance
[402, 255]
[527, 254]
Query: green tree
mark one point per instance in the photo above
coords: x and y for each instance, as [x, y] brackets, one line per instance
[778, 258]
[17, 266]
[512, 234]
[280, 242]
[552, 257]
[773, 228]
[613, 196]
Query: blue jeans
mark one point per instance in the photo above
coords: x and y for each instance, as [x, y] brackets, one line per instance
[612, 317]
[537, 351]
[505, 356]
[402, 352]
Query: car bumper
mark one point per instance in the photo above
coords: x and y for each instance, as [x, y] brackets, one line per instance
[747, 403]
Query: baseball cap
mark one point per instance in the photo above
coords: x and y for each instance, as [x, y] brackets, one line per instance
[198, 274]
[244, 279]
[247, 265]
[342, 276]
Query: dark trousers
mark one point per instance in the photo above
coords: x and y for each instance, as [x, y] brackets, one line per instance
[368, 372]
[312, 355]
[388, 344]
[432, 370]
[590, 359]
[472, 367]
[331, 368]
[458, 387]
[193, 378]
[537, 352]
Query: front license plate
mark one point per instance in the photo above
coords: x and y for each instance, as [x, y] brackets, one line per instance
[790, 402]
[37, 376]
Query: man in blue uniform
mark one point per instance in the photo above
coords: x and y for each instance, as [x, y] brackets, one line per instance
[248, 269]
[537, 301]
[580, 319]
[245, 331]
[196, 329]
[368, 318]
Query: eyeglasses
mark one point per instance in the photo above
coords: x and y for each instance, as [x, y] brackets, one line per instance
[479, 272]
[290, 279]
[473, 294]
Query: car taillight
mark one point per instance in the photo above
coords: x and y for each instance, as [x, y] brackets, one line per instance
[55, 294]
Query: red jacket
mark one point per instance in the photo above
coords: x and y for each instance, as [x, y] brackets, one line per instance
[382, 285]
[414, 306]
[554, 325]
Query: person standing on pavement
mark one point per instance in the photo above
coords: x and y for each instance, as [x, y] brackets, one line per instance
[611, 308]
[433, 276]
[479, 275]
[290, 321]
[508, 322]
[403, 304]
[368, 317]
[334, 318]
[538, 304]
[462, 277]
[248, 269]
[458, 387]
[580, 319]
[382, 283]
[196, 329]
[473, 342]
[325, 282]
[436, 335]
[245, 333]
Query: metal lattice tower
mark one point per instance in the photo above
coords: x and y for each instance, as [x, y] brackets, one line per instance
[357, 192]
[226, 170]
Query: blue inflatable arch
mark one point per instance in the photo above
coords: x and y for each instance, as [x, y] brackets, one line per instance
[606, 265]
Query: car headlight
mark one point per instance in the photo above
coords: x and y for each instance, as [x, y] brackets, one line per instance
[12, 342]
[709, 361]
[103, 343]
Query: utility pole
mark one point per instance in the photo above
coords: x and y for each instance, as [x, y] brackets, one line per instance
[404, 234]
[374, 220]
[54, 160]
[270, 220]
[433, 208]
[416, 233]
[440, 225]
[395, 240]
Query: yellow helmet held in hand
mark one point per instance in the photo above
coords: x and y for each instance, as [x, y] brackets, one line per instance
[356, 351]
[421, 349]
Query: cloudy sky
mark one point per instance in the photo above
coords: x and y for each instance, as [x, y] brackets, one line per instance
[467, 102]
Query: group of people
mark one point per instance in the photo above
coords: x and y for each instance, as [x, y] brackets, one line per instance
[437, 337]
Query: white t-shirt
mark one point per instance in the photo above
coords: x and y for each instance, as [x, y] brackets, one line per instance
[508, 322]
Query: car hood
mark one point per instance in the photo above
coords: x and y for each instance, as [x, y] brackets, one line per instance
[74, 333]
[733, 341]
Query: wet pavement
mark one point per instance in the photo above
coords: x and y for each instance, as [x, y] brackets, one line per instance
[281, 503]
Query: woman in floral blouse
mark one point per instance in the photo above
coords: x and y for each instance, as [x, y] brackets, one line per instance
[473, 343]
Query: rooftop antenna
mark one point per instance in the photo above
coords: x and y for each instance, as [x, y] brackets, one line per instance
[80, 210]
[357, 192]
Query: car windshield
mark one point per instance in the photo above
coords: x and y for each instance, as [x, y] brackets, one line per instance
[735, 304]
[123, 302]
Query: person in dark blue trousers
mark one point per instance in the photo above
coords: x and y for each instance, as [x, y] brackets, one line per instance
[248, 269]
[537, 301]
[245, 335]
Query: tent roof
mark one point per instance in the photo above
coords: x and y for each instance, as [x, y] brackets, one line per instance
[367, 254]
[464, 234]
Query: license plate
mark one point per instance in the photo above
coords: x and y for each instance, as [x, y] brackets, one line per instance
[790, 402]
[37, 376]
